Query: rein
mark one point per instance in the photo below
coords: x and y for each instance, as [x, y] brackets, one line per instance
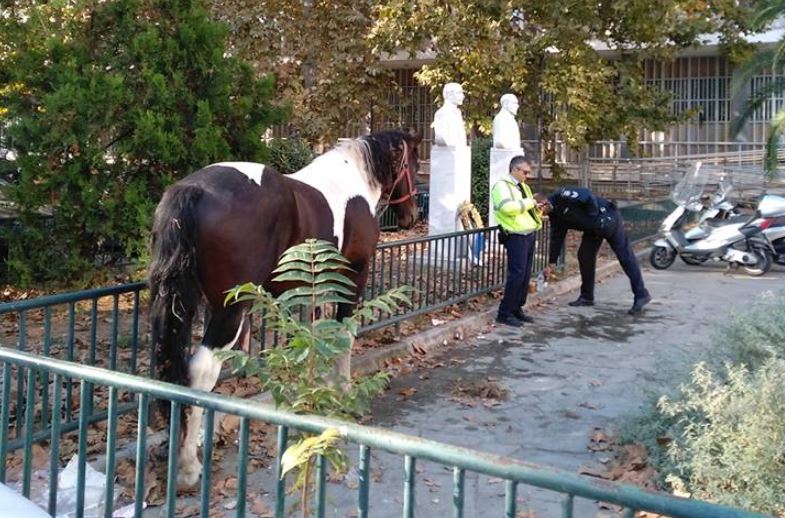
[403, 172]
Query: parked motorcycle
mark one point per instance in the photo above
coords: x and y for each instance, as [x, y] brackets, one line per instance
[736, 239]
[715, 210]
[775, 231]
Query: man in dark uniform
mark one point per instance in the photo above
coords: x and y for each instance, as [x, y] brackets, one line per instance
[579, 209]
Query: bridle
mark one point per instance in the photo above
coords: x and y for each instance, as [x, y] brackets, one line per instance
[403, 172]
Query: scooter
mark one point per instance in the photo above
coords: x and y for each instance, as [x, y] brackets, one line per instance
[715, 211]
[737, 242]
[775, 232]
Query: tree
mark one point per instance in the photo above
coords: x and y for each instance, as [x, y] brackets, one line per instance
[545, 53]
[326, 72]
[766, 12]
[108, 103]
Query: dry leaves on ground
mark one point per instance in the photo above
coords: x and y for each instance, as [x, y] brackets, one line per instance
[487, 391]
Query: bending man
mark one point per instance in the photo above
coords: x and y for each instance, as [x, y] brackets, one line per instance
[518, 217]
[579, 209]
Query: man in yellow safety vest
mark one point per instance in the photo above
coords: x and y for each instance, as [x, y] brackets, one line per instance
[519, 219]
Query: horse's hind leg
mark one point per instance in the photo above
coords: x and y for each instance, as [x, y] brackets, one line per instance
[227, 327]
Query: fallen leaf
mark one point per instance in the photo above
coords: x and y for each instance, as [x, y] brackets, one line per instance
[229, 424]
[261, 509]
[591, 472]
[409, 392]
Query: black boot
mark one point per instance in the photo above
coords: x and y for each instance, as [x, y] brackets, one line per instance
[523, 317]
[637, 306]
[580, 301]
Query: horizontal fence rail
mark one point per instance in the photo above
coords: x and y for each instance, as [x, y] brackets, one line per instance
[140, 391]
[106, 326]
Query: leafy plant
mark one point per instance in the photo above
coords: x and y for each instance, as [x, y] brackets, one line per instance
[301, 375]
[108, 103]
[723, 427]
[766, 58]
[481, 165]
[729, 442]
[755, 335]
[289, 155]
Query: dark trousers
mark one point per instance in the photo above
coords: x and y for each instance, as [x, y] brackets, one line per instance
[520, 259]
[620, 244]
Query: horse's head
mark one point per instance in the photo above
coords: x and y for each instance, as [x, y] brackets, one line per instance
[401, 191]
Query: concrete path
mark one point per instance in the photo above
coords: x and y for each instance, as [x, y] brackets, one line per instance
[573, 370]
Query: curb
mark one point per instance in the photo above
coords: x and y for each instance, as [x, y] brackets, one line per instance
[432, 340]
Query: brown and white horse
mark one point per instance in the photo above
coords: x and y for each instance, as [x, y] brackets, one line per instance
[229, 223]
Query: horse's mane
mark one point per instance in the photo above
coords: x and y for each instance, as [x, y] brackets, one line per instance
[373, 154]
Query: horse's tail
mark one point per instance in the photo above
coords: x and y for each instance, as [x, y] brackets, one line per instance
[174, 285]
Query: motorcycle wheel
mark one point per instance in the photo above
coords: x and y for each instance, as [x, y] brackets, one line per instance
[765, 259]
[662, 257]
[693, 261]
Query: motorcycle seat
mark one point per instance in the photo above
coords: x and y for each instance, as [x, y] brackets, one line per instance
[716, 223]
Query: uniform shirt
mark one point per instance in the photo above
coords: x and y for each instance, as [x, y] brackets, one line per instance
[576, 208]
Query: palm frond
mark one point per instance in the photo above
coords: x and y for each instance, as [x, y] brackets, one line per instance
[772, 144]
[761, 96]
[766, 11]
[760, 60]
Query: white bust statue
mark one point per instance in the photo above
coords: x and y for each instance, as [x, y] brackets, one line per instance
[448, 126]
[506, 133]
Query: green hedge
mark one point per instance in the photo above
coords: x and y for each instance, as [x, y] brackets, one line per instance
[289, 155]
[481, 167]
[723, 428]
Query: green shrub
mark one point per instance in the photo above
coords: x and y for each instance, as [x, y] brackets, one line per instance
[289, 155]
[757, 334]
[729, 442]
[301, 374]
[481, 167]
[724, 426]
[111, 102]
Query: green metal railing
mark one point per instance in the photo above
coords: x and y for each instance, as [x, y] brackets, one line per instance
[444, 270]
[642, 220]
[88, 327]
[102, 326]
[34, 368]
[388, 220]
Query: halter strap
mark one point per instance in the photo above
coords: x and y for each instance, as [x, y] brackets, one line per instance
[403, 172]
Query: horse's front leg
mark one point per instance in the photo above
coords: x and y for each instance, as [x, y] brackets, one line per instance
[204, 370]
[343, 365]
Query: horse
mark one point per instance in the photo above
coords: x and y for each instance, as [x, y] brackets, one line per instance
[229, 223]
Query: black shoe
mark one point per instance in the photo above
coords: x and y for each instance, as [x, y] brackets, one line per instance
[523, 317]
[580, 301]
[637, 306]
[509, 321]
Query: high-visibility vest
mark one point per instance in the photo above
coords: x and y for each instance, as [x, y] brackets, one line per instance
[515, 209]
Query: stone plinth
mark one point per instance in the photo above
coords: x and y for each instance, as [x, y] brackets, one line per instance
[450, 185]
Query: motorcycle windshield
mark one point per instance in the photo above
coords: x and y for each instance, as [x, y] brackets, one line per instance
[688, 191]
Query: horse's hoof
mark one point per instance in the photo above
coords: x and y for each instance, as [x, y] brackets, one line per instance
[189, 475]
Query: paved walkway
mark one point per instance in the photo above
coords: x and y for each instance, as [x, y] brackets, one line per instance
[573, 370]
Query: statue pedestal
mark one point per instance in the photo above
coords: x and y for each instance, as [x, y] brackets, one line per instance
[500, 167]
[450, 186]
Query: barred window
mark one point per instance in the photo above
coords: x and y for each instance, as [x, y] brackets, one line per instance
[697, 83]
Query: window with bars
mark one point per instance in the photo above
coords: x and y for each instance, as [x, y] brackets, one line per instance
[776, 100]
[697, 83]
